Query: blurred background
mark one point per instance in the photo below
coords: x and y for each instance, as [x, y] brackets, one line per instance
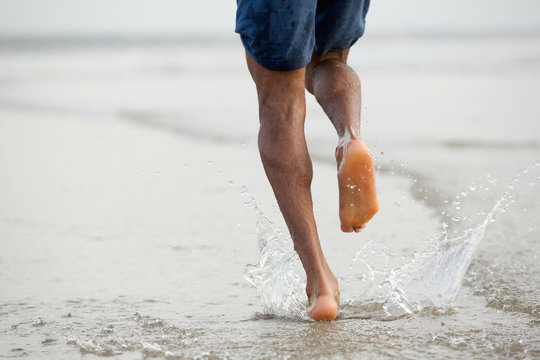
[128, 132]
[213, 18]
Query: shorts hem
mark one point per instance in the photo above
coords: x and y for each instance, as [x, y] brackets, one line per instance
[341, 48]
[269, 64]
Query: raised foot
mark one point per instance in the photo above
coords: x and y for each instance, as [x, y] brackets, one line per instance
[356, 179]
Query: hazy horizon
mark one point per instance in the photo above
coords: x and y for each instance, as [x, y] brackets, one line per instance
[215, 18]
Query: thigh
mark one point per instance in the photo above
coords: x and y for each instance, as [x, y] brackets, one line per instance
[339, 24]
[277, 89]
[278, 35]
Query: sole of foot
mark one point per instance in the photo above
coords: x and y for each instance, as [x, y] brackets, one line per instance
[356, 180]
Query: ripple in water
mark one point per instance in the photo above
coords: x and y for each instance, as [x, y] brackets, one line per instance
[431, 279]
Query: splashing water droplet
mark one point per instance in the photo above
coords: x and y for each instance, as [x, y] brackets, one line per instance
[278, 285]
[431, 279]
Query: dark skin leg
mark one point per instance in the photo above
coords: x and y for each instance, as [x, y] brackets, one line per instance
[337, 89]
[287, 164]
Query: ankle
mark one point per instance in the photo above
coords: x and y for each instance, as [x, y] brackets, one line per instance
[323, 283]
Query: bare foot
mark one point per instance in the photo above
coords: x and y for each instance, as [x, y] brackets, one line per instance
[323, 298]
[356, 179]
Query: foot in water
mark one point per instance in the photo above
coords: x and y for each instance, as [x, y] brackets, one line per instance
[356, 180]
[323, 295]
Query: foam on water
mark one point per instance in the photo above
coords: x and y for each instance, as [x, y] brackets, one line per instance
[431, 279]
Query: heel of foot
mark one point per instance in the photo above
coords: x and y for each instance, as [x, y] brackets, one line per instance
[325, 308]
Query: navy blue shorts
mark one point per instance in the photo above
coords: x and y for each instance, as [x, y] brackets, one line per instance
[282, 34]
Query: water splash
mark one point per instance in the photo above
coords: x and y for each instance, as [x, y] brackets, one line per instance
[431, 279]
[278, 284]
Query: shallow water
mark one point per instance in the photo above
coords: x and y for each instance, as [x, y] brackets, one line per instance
[411, 311]
[126, 229]
[430, 280]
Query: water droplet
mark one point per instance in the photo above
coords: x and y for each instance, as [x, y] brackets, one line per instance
[231, 183]
[209, 163]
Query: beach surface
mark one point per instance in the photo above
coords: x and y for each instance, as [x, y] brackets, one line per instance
[132, 198]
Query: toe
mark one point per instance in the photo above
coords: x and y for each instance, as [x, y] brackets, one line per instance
[346, 228]
[357, 228]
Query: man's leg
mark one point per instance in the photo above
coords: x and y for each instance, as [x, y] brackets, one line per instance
[337, 89]
[287, 164]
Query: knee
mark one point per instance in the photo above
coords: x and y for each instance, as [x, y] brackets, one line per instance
[282, 146]
[275, 137]
[282, 114]
[281, 133]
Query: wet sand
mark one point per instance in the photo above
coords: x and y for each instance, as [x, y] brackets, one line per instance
[125, 231]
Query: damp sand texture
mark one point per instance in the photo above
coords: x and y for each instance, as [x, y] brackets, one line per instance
[130, 209]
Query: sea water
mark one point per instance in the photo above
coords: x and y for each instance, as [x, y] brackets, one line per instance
[432, 279]
[120, 239]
